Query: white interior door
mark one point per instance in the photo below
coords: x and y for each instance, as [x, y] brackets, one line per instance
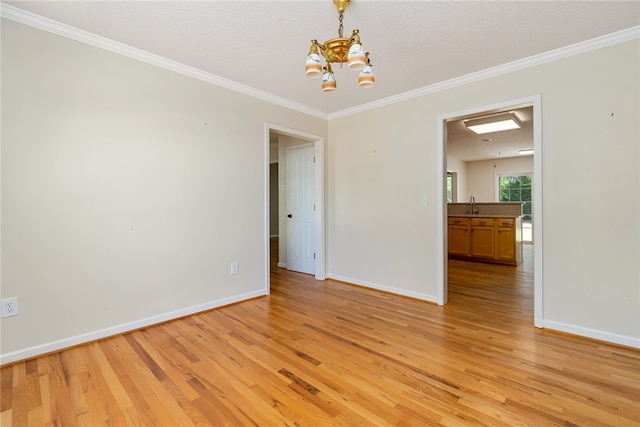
[301, 209]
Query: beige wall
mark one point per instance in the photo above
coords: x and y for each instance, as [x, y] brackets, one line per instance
[127, 190]
[379, 164]
[482, 175]
[380, 161]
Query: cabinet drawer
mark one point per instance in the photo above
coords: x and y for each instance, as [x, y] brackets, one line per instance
[506, 222]
[482, 222]
[458, 221]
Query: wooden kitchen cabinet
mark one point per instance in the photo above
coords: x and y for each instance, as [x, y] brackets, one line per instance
[481, 244]
[509, 240]
[486, 239]
[458, 236]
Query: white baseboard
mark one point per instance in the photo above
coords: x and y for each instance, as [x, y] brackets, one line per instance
[149, 321]
[592, 333]
[282, 264]
[53, 346]
[557, 326]
[385, 288]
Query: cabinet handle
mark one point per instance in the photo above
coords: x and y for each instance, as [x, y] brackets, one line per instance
[482, 223]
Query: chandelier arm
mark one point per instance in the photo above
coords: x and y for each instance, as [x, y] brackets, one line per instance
[320, 46]
[324, 51]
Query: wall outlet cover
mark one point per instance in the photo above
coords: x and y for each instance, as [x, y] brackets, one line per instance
[10, 307]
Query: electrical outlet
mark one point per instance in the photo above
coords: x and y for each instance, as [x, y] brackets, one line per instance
[10, 307]
[234, 268]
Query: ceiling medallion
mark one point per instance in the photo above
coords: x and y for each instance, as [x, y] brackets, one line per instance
[339, 50]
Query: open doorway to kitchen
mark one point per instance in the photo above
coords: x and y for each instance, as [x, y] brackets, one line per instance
[488, 192]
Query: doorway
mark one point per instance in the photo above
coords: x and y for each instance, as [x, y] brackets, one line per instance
[276, 152]
[535, 103]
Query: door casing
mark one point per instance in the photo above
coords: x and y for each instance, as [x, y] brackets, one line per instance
[319, 226]
[441, 233]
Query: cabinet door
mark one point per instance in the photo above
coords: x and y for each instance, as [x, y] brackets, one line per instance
[482, 242]
[505, 243]
[482, 238]
[458, 240]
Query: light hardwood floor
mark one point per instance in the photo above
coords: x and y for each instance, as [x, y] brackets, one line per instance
[327, 353]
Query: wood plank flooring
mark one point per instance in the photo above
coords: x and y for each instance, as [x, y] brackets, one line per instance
[331, 354]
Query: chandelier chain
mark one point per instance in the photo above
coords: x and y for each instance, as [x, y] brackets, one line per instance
[340, 16]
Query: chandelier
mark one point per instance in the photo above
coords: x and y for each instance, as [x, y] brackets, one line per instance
[339, 50]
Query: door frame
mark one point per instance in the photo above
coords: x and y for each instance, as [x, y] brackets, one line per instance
[319, 221]
[441, 209]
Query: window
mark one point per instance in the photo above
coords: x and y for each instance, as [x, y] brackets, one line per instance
[452, 195]
[517, 188]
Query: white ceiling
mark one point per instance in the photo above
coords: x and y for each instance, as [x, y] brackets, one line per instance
[466, 145]
[413, 44]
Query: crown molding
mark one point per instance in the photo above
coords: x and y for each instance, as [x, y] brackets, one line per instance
[532, 61]
[49, 25]
[55, 27]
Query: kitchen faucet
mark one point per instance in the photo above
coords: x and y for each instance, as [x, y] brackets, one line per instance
[474, 209]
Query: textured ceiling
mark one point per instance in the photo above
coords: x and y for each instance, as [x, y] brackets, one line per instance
[413, 44]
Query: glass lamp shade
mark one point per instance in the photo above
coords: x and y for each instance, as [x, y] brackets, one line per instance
[313, 66]
[356, 59]
[328, 82]
[366, 77]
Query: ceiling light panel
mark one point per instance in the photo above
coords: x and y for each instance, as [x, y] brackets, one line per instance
[493, 123]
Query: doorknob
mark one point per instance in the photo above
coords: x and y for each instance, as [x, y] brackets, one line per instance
[289, 216]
